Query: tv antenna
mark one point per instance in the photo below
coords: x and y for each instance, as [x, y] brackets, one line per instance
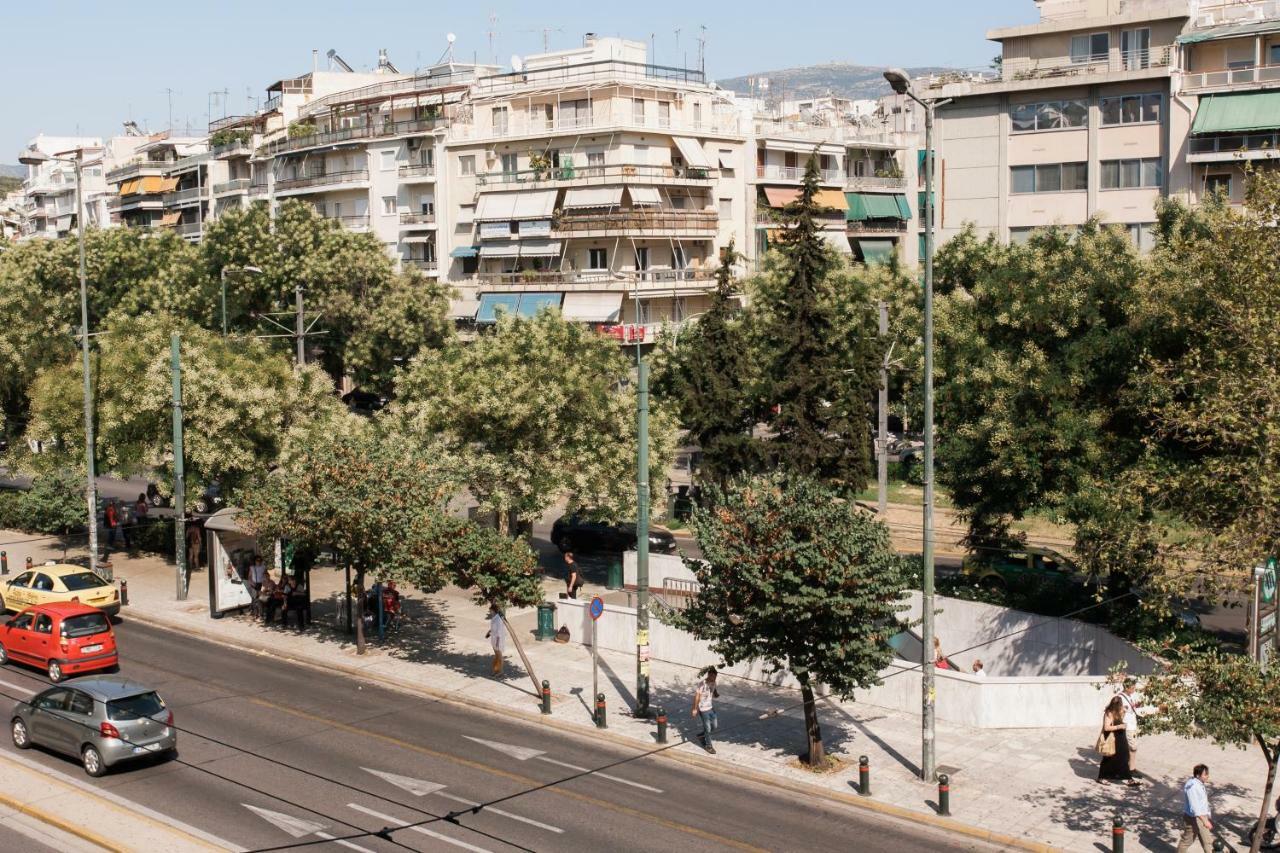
[546, 36]
[702, 49]
[491, 32]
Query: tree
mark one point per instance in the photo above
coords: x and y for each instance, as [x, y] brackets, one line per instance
[801, 579]
[819, 353]
[1229, 699]
[402, 317]
[537, 409]
[710, 376]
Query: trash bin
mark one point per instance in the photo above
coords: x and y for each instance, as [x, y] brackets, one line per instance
[614, 578]
[546, 621]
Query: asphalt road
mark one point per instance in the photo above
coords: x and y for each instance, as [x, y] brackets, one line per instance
[273, 754]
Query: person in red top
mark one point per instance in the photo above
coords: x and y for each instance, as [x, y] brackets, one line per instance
[115, 527]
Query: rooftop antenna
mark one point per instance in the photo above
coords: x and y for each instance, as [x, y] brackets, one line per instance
[677, 41]
[702, 49]
[448, 51]
[546, 36]
[170, 93]
[491, 32]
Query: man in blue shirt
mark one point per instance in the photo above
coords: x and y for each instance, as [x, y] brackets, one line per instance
[1196, 824]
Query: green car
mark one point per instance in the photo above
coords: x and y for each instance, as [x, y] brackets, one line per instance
[998, 568]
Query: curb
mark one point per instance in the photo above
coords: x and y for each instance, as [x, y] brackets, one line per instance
[60, 824]
[596, 735]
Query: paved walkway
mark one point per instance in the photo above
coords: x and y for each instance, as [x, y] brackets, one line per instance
[1036, 786]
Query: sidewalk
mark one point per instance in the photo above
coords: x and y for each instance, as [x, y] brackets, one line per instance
[1035, 787]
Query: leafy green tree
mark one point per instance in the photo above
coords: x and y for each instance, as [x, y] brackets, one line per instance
[1226, 698]
[819, 354]
[801, 579]
[403, 316]
[55, 503]
[538, 409]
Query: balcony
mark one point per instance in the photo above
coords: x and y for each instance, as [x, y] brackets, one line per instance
[600, 119]
[421, 265]
[795, 174]
[137, 169]
[648, 220]
[877, 226]
[257, 188]
[238, 148]
[239, 185]
[417, 170]
[189, 230]
[350, 134]
[1015, 69]
[863, 183]
[352, 223]
[231, 121]
[568, 175]
[1232, 147]
[272, 104]
[417, 219]
[353, 176]
[665, 281]
[1228, 79]
[181, 198]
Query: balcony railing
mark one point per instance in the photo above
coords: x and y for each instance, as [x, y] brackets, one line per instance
[601, 118]
[796, 173]
[638, 219]
[422, 264]
[417, 218]
[348, 134]
[349, 177]
[230, 121]
[352, 223]
[272, 103]
[190, 194]
[583, 73]
[613, 173]
[870, 182]
[594, 277]
[417, 170]
[877, 226]
[1018, 68]
[140, 167]
[1231, 78]
[403, 86]
[238, 185]
[1236, 144]
[189, 229]
[257, 188]
[237, 148]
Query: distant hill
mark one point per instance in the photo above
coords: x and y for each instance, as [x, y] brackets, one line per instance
[843, 79]
[12, 171]
[8, 184]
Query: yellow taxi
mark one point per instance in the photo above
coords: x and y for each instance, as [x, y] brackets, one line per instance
[58, 582]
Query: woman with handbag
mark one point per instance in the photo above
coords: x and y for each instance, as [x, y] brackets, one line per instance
[1113, 746]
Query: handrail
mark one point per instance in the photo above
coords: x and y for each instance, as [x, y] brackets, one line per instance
[347, 134]
[234, 185]
[565, 173]
[637, 219]
[347, 177]
[411, 170]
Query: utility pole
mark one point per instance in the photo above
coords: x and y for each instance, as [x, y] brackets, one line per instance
[642, 539]
[299, 333]
[179, 476]
[882, 466]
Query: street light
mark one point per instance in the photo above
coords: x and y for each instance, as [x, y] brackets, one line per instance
[35, 157]
[222, 278]
[901, 84]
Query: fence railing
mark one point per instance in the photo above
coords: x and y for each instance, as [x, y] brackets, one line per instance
[796, 173]
[238, 185]
[638, 219]
[417, 218]
[348, 177]
[874, 182]
[347, 134]
[568, 172]
[417, 170]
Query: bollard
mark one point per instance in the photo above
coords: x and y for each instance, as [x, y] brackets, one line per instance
[546, 621]
[944, 795]
[1117, 835]
[124, 592]
[661, 716]
[602, 721]
[4, 562]
[1219, 845]
[546, 696]
[864, 776]
[28, 564]
[613, 579]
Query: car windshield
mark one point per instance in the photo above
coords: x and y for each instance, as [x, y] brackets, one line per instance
[85, 625]
[135, 707]
[82, 580]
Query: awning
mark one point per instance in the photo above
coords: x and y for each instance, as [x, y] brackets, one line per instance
[418, 238]
[494, 207]
[539, 248]
[465, 252]
[876, 206]
[492, 303]
[500, 249]
[532, 303]
[464, 308]
[592, 307]
[64, 222]
[645, 196]
[802, 147]
[830, 199]
[838, 241]
[691, 151]
[170, 218]
[1237, 113]
[592, 197]
[535, 205]
[130, 187]
[1230, 31]
[726, 159]
[156, 184]
[225, 520]
[876, 251]
[781, 196]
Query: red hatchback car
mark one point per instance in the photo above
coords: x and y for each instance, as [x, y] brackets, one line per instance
[62, 638]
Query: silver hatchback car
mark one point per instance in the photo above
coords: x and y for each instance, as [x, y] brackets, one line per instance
[102, 720]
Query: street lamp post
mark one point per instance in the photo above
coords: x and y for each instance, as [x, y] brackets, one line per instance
[901, 84]
[35, 157]
[222, 278]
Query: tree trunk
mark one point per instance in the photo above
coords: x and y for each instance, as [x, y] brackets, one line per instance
[359, 608]
[812, 731]
[1271, 754]
[524, 659]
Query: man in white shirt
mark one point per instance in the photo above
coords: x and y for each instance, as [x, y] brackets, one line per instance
[1196, 823]
[497, 637]
[1131, 706]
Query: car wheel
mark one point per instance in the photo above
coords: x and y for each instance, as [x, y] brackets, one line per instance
[994, 583]
[92, 760]
[202, 506]
[157, 500]
[55, 671]
[4, 656]
[21, 737]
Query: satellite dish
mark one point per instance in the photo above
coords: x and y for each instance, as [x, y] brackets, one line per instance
[451, 38]
[517, 64]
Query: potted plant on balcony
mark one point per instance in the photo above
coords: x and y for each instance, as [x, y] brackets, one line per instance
[299, 128]
[541, 165]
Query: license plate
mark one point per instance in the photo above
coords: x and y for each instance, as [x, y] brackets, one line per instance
[96, 647]
[152, 747]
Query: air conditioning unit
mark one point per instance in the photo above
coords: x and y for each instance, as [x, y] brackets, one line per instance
[490, 155]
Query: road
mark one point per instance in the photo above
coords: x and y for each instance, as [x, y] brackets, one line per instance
[274, 754]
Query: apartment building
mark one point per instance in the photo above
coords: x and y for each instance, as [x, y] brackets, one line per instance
[1102, 108]
[48, 205]
[162, 185]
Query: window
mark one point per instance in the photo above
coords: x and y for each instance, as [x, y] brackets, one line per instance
[1135, 46]
[135, 707]
[389, 205]
[1049, 178]
[1274, 55]
[44, 624]
[1143, 235]
[52, 700]
[597, 259]
[1217, 183]
[1129, 174]
[679, 260]
[1050, 115]
[467, 165]
[1131, 109]
[726, 208]
[80, 703]
[427, 205]
[637, 110]
[697, 115]
[642, 258]
[664, 114]
[595, 164]
[23, 579]
[44, 583]
[85, 625]
[1019, 236]
[1090, 48]
[500, 124]
[510, 165]
[575, 113]
[387, 160]
[80, 581]
[22, 622]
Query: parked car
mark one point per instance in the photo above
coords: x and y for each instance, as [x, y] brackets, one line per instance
[62, 639]
[210, 500]
[579, 534]
[365, 402]
[103, 721]
[53, 582]
[998, 567]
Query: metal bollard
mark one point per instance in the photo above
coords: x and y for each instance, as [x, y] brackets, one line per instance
[4, 562]
[28, 564]
[864, 776]
[124, 592]
[1117, 835]
[661, 716]
[1219, 845]
[546, 696]
[602, 721]
[944, 795]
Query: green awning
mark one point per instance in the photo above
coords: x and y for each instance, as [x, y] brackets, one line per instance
[1238, 113]
[464, 252]
[864, 206]
[1230, 31]
[876, 251]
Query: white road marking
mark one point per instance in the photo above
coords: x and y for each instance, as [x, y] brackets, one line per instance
[617, 779]
[421, 829]
[417, 787]
[25, 689]
[519, 753]
[498, 811]
[295, 826]
[327, 837]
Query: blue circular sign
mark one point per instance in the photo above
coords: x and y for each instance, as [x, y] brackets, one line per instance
[596, 608]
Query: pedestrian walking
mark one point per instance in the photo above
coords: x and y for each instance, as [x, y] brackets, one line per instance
[572, 578]
[1114, 746]
[115, 524]
[141, 509]
[497, 636]
[1129, 700]
[1197, 824]
[704, 707]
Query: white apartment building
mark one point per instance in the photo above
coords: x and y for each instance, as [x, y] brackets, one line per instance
[49, 192]
[1103, 107]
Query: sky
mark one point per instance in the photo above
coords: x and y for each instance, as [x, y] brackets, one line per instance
[84, 67]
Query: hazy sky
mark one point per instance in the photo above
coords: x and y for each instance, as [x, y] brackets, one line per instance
[84, 67]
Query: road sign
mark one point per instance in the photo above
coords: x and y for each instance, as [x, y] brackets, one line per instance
[1269, 581]
[596, 608]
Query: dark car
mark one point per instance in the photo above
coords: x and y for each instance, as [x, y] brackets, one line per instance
[580, 534]
[364, 402]
[210, 500]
